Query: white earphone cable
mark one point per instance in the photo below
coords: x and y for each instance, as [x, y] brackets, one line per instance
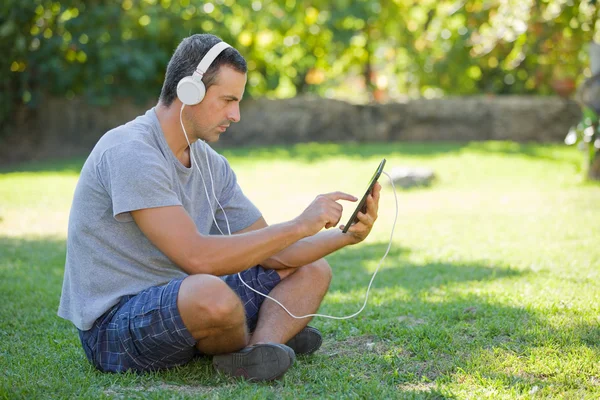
[212, 184]
[229, 232]
[193, 160]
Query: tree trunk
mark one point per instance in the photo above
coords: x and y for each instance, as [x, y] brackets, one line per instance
[594, 171]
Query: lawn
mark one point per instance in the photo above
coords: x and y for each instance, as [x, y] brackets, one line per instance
[490, 290]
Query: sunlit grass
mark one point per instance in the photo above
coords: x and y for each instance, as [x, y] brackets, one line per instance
[490, 290]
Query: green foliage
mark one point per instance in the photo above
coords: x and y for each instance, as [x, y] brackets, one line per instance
[106, 49]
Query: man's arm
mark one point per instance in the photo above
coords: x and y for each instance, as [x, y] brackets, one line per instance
[173, 231]
[304, 251]
[323, 243]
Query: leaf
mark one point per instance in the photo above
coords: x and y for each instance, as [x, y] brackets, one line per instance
[20, 43]
[589, 115]
[7, 28]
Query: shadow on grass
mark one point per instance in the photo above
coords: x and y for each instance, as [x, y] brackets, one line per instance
[311, 152]
[431, 327]
[350, 270]
[307, 152]
[407, 344]
[67, 165]
[314, 152]
[549, 152]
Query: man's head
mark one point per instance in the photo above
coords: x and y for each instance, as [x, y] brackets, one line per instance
[186, 58]
[225, 81]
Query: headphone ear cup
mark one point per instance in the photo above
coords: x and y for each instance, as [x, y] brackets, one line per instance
[190, 91]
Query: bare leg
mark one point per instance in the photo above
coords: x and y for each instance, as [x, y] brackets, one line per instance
[213, 314]
[300, 291]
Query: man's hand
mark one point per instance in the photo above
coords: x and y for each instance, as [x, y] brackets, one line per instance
[360, 230]
[323, 212]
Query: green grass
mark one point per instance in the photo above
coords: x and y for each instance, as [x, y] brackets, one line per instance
[491, 289]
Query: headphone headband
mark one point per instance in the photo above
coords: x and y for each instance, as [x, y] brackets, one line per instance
[208, 59]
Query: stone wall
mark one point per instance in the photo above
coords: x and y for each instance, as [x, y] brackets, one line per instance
[62, 128]
[522, 119]
[68, 127]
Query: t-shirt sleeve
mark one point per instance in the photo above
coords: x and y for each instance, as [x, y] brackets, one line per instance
[241, 212]
[136, 176]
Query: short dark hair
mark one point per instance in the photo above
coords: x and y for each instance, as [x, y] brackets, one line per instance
[186, 58]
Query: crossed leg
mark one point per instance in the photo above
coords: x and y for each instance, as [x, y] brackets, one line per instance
[301, 291]
[215, 316]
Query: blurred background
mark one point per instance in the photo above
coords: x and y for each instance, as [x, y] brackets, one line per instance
[318, 70]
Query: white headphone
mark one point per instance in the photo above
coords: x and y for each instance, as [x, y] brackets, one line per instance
[191, 90]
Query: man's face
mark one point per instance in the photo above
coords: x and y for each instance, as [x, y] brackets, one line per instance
[220, 107]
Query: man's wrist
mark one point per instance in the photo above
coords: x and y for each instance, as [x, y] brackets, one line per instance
[348, 238]
[297, 229]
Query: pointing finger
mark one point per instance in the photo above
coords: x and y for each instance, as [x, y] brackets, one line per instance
[335, 196]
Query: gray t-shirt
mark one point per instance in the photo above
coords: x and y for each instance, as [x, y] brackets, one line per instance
[132, 168]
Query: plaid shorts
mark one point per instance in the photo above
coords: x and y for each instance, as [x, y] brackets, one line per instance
[145, 332]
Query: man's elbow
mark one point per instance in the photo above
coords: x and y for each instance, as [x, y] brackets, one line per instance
[198, 265]
[196, 257]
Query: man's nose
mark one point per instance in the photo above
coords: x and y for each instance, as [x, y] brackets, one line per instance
[234, 113]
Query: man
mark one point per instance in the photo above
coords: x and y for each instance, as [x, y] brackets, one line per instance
[149, 282]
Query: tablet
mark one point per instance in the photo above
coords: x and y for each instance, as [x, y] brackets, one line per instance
[362, 205]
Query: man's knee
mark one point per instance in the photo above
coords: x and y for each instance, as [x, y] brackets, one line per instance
[206, 303]
[318, 272]
[322, 270]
